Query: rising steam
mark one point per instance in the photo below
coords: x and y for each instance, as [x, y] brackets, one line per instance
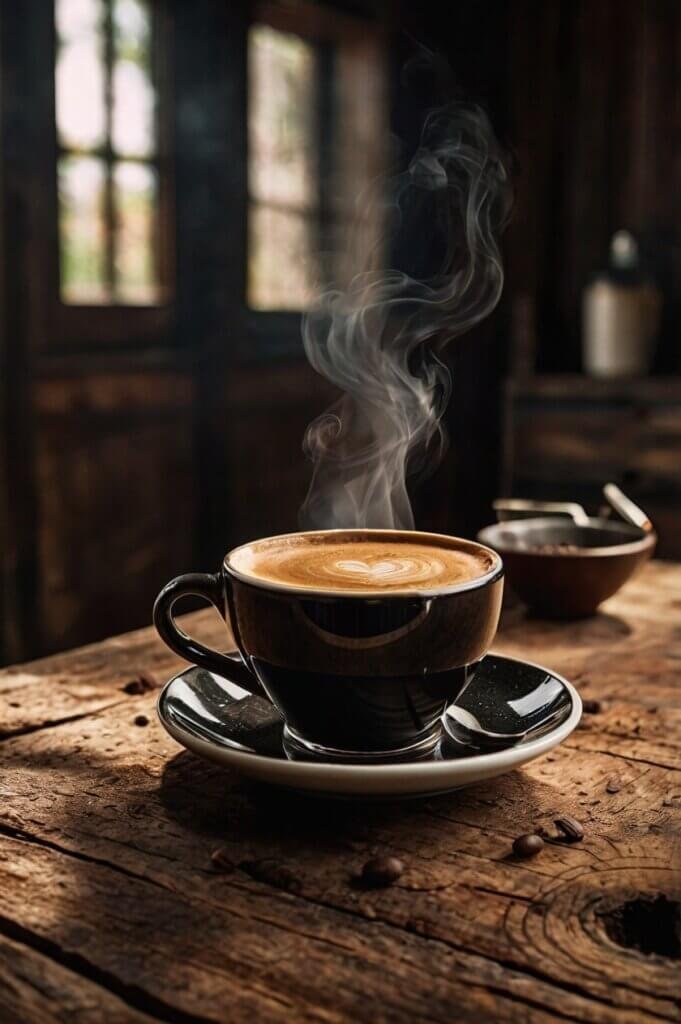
[378, 339]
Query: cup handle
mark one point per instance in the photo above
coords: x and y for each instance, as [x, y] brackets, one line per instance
[207, 585]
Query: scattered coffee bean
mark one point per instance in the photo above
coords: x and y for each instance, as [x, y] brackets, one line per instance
[591, 707]
[572, 830]
[141, 720]
[142, 684]
[381, 871]
[528, 846]
[273, 872]
[221, 861]
[613, 785]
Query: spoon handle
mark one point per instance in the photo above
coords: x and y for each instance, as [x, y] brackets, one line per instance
[512, 508]
[626, 508]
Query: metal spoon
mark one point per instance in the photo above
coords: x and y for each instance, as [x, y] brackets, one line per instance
[502, 709]
[630, 512]
[521, 508]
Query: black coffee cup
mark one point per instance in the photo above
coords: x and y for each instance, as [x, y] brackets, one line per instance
[353, 675]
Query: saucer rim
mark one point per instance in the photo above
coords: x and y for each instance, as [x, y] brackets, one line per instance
[291, 772]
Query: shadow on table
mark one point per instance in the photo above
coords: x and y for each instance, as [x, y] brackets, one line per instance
[595, 629]
[217, 802]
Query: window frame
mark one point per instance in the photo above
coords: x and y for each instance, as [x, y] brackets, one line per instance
[272, 333]
[117, 326]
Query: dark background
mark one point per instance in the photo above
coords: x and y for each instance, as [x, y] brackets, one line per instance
[135, 446]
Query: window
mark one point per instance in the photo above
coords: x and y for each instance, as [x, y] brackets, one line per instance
[317, 125]
[108, 159]
[283, 172]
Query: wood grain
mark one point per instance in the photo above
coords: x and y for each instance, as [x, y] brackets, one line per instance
[113, 909]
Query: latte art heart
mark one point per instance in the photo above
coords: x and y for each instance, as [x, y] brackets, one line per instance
[355, 563]
[397, 568]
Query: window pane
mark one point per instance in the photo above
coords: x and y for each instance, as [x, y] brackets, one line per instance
[80, 73]
[279, 262]
[135, 190]
[282, 118]
[81, 230]
[77, 18]
[132, 130]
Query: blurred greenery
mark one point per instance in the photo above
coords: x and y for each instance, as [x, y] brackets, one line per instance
[83, 227]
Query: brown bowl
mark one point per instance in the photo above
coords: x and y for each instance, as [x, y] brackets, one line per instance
[562, 570]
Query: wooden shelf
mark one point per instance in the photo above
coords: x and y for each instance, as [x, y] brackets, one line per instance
[568, 435]
[577, 385]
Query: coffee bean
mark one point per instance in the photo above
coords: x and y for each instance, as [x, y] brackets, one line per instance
[142, 684]
[221, 861]
[381, 871]
[613, 785]
[591, 707]
[572, 830]
[528, 846]
[141, 720]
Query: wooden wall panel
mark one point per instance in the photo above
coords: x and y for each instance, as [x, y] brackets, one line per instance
[116, 512]
[266, 411]
[569, 436]
[595, 101]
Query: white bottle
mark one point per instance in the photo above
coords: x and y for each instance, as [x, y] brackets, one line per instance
[621, 315]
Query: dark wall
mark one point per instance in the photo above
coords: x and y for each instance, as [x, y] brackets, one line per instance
[595, 107]
[473, 39]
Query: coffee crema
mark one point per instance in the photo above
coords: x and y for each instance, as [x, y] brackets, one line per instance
[355, 562]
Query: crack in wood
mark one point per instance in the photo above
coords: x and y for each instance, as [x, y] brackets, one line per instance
[132, 995]
[621, 757]
[514, 896]
[32, 987]
[22, 836]
[26, 730]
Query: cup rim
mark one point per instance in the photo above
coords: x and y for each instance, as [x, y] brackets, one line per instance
[496, 572]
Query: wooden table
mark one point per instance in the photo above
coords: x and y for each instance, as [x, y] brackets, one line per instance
[112, 909]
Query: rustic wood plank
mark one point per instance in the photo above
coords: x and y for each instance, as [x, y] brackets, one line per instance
[105, 807]
[35, 988]
[105, 443]
[107, 830]
[78, 683]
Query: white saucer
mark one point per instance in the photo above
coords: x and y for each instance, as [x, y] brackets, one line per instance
[221, 722]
